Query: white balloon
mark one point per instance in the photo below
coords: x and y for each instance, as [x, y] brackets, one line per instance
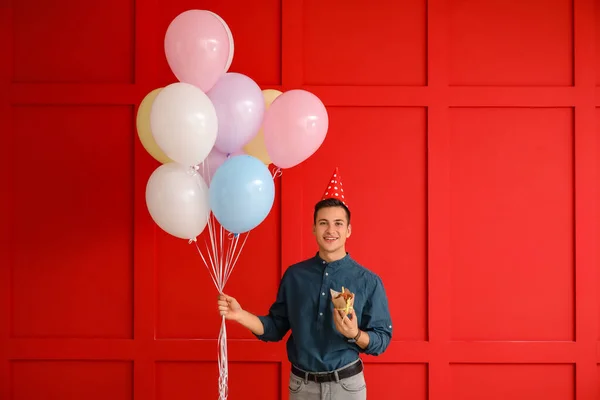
[178, 201]
[184, 123]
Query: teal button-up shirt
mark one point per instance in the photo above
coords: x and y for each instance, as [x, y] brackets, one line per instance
[304, 305]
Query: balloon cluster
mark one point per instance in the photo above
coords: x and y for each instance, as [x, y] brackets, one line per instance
[216, 133]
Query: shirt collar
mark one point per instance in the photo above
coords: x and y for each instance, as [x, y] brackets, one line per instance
[337, 263]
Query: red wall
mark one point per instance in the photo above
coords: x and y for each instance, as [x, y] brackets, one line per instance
[466, 133]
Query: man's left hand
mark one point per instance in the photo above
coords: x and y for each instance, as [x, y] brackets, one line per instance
[346, 326]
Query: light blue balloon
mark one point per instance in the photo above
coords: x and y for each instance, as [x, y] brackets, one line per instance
[241, 193]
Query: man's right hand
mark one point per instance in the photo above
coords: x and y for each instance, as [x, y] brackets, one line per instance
[229, 307]
[231, 310]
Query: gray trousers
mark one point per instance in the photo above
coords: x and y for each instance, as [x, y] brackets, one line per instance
[353, 388]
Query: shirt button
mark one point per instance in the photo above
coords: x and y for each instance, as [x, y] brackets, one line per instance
[320, 313]
[323, 262]
[326, 273]
[323, 293]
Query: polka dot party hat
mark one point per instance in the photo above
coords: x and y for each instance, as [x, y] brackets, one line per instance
[335, 188]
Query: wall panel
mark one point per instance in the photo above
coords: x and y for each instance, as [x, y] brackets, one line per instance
[467, 133]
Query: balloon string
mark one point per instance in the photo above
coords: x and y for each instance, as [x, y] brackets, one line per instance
[233, 261]
[223, 362]
[206, 171]
[277, 172]
[220, 255]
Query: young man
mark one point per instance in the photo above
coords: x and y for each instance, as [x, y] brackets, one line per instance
[325, 342]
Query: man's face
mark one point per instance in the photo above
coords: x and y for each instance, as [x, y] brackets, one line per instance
[331, 229]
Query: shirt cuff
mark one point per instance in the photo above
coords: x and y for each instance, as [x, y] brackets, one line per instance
[372, 338]
[265, 322]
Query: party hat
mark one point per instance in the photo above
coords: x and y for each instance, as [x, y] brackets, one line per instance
[335, 188]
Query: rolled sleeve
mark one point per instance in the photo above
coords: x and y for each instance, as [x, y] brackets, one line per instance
[376, 320]
[276, 323]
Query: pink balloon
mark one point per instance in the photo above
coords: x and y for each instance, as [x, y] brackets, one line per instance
[212, 162]
[231, 43]
[294, 127]
[197, 48]
[240, 108]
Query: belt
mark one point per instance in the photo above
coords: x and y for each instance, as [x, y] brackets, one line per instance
[321, 377]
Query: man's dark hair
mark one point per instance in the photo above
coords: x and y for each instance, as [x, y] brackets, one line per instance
[330, 203]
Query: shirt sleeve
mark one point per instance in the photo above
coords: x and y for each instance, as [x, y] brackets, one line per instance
[376, 320]
[276, 323]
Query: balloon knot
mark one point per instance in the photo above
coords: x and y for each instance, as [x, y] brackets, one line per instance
[191, 240]
[193, 171]
[228, 155]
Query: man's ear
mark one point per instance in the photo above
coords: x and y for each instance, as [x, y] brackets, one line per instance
[349, 230]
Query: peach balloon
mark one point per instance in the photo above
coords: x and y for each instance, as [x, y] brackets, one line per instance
[256, 147]
[145, 132]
